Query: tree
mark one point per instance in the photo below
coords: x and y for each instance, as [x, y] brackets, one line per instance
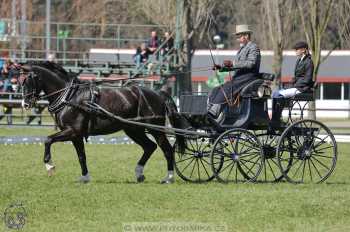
[279, 14]
[197, 16]
[343, 23]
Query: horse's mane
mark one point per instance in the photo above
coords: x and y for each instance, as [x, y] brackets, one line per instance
[55, 68]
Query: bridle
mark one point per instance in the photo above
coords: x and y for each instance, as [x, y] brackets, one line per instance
[29, 78]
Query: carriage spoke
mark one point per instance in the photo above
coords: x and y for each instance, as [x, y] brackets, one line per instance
[199, 173]
[229, 173]
[302, 177]
[205, 161]
[248, 149]
[312, 162]
[222, 170]
[308, 162]
[204, 168]
[250, 154]
[265, 173]
[188, 165]
[323, 148]
[301, 163]
[323, 156]
[249, 169]
[184, 160]
[322, 141]
[193, 168]
[273, 173]
[320, 162]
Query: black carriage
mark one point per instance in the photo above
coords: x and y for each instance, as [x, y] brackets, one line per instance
[242, 148]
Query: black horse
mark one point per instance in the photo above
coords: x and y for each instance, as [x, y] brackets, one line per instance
[69, 98]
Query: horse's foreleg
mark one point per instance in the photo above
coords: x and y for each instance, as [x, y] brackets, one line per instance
[61, 136]
[79, 147]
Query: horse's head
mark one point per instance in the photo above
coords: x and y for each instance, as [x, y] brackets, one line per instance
[31, 86]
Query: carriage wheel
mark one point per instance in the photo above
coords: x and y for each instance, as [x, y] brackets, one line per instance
[314, 152]
[237, 156]
[193, 163]
[271, 171]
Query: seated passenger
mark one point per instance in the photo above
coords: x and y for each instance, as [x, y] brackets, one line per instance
[301, 82]
[246, 67]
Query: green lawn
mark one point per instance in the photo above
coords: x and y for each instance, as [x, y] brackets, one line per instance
[60, 203]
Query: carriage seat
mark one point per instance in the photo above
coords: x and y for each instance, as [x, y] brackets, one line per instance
[307, 95]
[258, 88]
[304, 96]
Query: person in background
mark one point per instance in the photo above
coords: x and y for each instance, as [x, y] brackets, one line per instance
[138, 57]
[167, 44]
[2, 63]
[301, 82]
[153, 42]
[145, 52]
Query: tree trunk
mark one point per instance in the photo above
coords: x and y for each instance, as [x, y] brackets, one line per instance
[185, 76]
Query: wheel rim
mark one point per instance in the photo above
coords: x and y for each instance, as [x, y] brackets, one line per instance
[193, 164]
[237, 156]
[314, 152]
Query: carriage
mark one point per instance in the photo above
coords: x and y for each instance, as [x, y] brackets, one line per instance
[243, 149]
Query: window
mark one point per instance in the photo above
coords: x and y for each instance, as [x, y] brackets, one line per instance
[331, 91]
[346, 91]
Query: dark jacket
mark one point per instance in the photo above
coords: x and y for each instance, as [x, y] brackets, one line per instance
[303, 74]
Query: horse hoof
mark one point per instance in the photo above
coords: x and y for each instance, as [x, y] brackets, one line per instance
[50, 172]
[85, 179]
[140, 179]
[168, 181]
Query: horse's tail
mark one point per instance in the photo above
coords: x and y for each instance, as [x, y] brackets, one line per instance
[176, 120]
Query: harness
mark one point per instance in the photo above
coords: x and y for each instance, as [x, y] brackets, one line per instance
[61, 101]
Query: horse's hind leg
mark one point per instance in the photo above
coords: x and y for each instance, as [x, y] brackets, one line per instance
[168, 151]
[140, 138]
[79, 147]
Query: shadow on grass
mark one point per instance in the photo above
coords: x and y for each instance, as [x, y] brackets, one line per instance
[336, 183]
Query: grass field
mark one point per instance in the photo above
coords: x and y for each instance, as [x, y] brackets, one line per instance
[60, 203]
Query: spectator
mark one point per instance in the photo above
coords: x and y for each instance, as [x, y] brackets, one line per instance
[138, 57]
[2, 63]
[145, 52]
[10, 73]
[168, 43]
[153, 42]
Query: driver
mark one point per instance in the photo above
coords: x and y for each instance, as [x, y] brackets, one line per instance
[246, 67]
